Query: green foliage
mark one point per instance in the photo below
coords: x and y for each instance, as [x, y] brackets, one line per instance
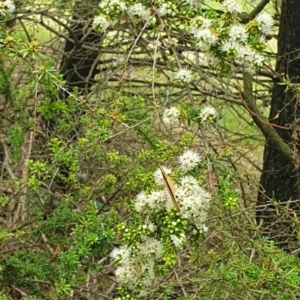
[267, 273]
[16, 139]
[22, 267]
[6, 73]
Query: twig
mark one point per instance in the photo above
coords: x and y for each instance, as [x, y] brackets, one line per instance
[21, 206]
[182, 287]
[259, 7]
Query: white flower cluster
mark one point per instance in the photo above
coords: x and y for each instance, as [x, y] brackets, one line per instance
[237, 47]
[194, 4]
[166, 8]
[137, 266]
[178, 240]
[139, 11]
[7, 8]
[157, 200]
[184, 75]
[200, 22]
[10, 4]
[171, 116]
[238, 33]
[101, 23]
[243, 54]
[188, 160]
[235, 44]
[232, 6]
[201, 28]
[265, 23]
[158, 177]
[112, 8]
[192, 199]
[208, 114]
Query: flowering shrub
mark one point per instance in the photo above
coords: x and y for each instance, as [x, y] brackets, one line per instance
[223, 37]
[159, 227]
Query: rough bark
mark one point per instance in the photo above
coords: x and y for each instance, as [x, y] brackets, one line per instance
[280, 176]
[78, 66]
[79, 63]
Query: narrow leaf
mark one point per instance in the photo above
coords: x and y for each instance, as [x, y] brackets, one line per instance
[170, 187]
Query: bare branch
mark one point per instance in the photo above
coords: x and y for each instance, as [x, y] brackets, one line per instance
[260, 6]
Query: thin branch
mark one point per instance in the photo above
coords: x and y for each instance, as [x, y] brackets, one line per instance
[260, 6]
[178, 280]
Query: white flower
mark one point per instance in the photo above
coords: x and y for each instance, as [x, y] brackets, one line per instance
[249, 58]
[151, 227]
[167, 9]
[129, 274]
[193, 201]
[150, 247]
[258, 59]
[199, 22]
[232, 6]
[208, 114]
[158, 177]
[141, 203]
[139, 11]
[10, 4]
[188, 182]
[195, 4]
[156, 201]
[139, 268]
[204, 228]
[243, 53]
[111, 7]
[171, 116]
[101, 23]
[206, 36]
[265, 23]
[199, 221]
[121, 254]
[188, 160]
[178, 241]
[184, 75]
[238, 32]
[206, 23]
[203, 47]
[229, 45]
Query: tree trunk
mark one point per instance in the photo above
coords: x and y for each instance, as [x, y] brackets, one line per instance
[79, 63]
[280, 176]
[78, 67]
